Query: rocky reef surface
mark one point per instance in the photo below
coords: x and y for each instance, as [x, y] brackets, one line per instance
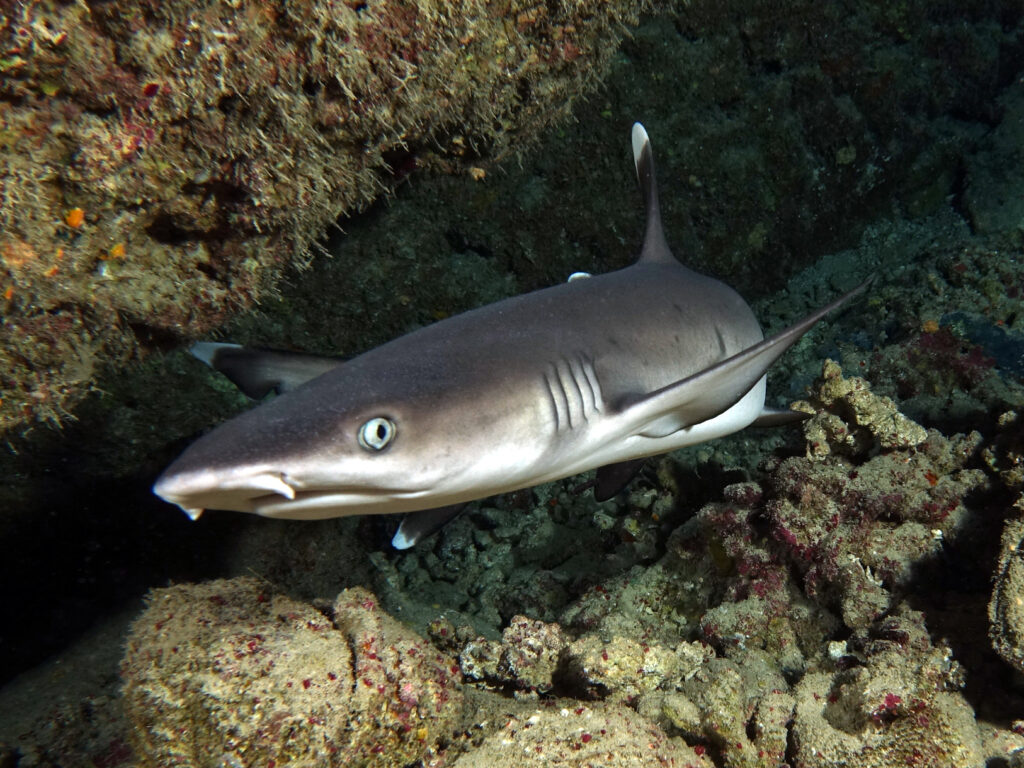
[163, 163]
[227, 671]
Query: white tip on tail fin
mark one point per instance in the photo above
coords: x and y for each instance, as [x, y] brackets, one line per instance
[207, 350]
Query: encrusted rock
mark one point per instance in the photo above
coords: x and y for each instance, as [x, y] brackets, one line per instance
[625, 668]
[854, 418]
[875, 494]
[1005, 453]
[580, 736]
[744, 707]
[229, 673]
[163, 163]
[526, 657]
[1006, 609]
[899, 707]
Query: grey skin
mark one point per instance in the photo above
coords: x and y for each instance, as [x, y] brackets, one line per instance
[597, 372]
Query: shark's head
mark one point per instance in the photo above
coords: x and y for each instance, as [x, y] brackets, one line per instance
[340, 445]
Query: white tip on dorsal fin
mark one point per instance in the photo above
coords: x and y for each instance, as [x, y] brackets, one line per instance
[640, 140]
[655, 248]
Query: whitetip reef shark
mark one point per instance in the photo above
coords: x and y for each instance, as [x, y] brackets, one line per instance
[599, 372]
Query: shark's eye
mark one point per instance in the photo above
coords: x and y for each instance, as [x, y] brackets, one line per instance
[375, 434]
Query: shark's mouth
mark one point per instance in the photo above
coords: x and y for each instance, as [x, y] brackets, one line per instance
[338, 502]
[275, 494]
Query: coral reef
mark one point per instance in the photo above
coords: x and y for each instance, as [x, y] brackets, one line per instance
[825, 546]
[1004, 454]
[776, 628]
[875, 495]
[991, 198]
[740, 708]
[625, 669]
[230, 671]
[577, 736]
[759, 626]
[164, 162]
[529, 553]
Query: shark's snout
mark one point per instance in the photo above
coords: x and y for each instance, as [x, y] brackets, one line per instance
[237, 489]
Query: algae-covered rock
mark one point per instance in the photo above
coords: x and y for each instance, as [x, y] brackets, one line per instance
[163, 163]
[854, 418]
[876, 494]
[230, 673]
[1006, 609]
[899, 706]
[526, 658]
[624, 668]
[740, 706]
[576, 736]
[1004, 455]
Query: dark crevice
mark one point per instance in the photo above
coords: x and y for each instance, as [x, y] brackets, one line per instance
[751, 728]
[165, 230]
[957, 193]
[229, 104]
[401, 162]
[791, 751]
[461, 244]
[153, 337]
[311, 87]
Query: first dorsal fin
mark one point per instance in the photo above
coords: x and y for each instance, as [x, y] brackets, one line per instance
[655, 249]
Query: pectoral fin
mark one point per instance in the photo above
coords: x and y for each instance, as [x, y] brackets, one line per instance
[714, 390]
[779, 417]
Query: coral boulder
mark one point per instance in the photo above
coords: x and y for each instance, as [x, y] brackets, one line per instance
[229, 673]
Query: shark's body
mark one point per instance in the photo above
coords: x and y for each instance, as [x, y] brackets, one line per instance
[597, 371]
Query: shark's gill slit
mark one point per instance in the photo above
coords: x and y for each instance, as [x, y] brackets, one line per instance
[559, 401]
[573, 393]
[593, 387]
